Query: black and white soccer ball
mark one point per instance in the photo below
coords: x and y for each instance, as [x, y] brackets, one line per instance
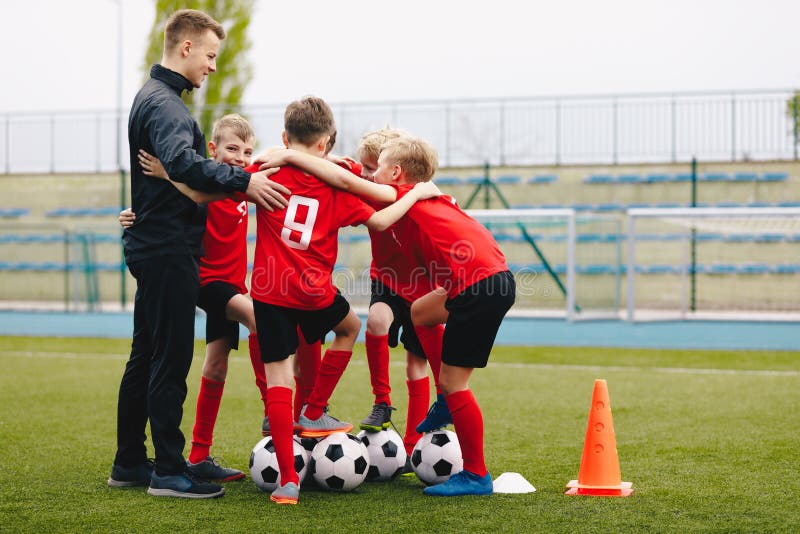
[340, 462]
[436, 456]
[264, 464]
[387, 455]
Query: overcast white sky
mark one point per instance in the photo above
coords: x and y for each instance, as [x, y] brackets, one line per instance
[61, 55]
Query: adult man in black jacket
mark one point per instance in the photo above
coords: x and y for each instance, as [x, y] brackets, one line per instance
[161, 251]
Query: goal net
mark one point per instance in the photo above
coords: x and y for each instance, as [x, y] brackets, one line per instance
[737, 263]
[565, 264]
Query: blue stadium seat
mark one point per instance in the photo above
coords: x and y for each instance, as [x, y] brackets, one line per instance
[629, 179]
[522, 206]
[729, 205]
[715, 177]
[740, 238]
[552, 206]
[598, 179]
[634, 205]
[669, 205]
[753, 268]
[542, 179]
[448, 180]
[508, 179]
[657, 269]
[13, 213]
[609, 206]
[788, 204]
[770, 238]
[773, 177]
[582, 207]
[682, 177]
[786, 268]
[759, 204]
[723, 268]
[475, 180]
[596, 268]
[745, 177]
[657, 178]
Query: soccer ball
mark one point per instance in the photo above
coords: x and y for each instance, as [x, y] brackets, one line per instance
[436, 456]
[387, 455]
[340, 462]
[264, 464]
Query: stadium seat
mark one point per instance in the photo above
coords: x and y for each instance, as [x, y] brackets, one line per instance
[729, 205]
[475, 180]
[448, 180]
[507, 179]
[773, 177]
[552, 206]
[682, 177]
[786, 268]
[723, 268]
[580, 206]
[788, 204]
[745, 177]
[629, 179]
[522, 206]
[656, 178]
[13, 213]
[598, 179]
[609, 206]
[759, 204]
[542, 179]
[753, 268]
[715, 177]
[634, 205]
[596, 268]
[668, 205]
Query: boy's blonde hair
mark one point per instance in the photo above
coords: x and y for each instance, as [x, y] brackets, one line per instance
[371, 142]
[414, 155]
[307, 119]
[234, 122]
[189, 23]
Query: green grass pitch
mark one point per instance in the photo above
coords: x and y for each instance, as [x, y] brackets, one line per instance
[708, 439]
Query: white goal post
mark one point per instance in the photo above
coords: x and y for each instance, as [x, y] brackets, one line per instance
[737, 263]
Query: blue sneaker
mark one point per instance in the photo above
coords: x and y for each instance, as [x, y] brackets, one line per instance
[438, 416]
[210, 469]
[184, 485]
[125, 477]
[462, 483]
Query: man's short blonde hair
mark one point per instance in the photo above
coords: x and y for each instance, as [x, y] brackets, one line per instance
[414, 155]
[234, 122]
[187, 23]
[371, 142]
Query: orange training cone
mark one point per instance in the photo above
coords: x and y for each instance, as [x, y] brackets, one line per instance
[599, 473]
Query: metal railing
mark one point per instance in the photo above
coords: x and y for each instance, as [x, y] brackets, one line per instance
[603, 129]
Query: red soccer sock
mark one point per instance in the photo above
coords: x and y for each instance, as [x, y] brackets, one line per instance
[279, 411]
[378, 361]
[309, 356]
[430, 337]
[258, 368]
[419, 397]
[468, 421]
[208, 400]
[330, 371]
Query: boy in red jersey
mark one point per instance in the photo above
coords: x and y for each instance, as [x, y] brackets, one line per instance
[394, 287]
[291, 283]
[223, 269]
[474, 291]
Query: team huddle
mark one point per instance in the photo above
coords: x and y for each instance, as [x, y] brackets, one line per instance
[432, 265]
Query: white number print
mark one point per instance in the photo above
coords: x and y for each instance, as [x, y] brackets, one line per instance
[305, 228]
[242, 209]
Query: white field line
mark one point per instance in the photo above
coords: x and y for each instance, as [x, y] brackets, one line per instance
[359, 362]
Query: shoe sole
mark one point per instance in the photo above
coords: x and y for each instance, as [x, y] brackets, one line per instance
[266, 433]
[232, 478]
[283, 500]
[159, 492]
[457, 494]
[311, 433]
[374, 428]
[126, 484]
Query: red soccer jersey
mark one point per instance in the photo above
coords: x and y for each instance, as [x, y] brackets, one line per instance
[296, 248]
[394, 266]
[225, 244]
[456, 250]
